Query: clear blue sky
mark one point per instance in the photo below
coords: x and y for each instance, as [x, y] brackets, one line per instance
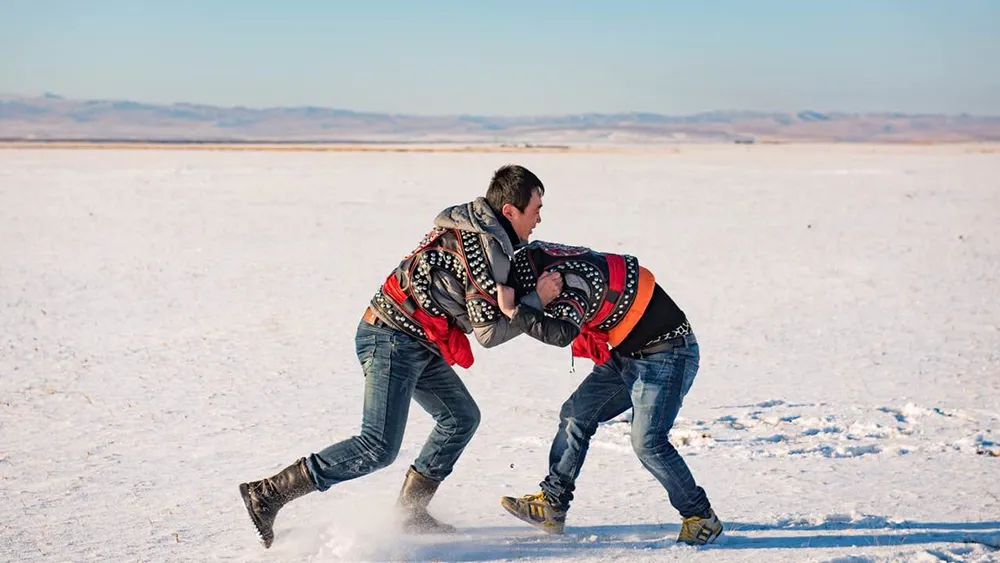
[512, 58]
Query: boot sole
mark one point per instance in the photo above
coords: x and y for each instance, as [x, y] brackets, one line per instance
[540, 525]
[245, 493]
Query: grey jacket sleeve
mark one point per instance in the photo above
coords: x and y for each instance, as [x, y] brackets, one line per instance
[495, 333]
[489, 332]
[536, 324]
[498, 329]
[503, 329]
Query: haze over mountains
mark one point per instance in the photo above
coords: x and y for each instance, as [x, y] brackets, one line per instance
[51, 117]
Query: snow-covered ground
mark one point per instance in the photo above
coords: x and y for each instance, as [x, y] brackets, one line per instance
[175, 322]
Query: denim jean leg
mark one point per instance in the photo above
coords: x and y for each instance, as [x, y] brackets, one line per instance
[658, 385]
[442, 394]
[601, 397]
[391, 373]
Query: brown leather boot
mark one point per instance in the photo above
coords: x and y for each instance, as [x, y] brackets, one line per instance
[265, 498]
[413, 500]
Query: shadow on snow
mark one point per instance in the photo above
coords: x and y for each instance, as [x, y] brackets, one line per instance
[489, 543]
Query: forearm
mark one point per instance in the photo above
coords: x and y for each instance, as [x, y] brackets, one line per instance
[502, 329]
[536, 324]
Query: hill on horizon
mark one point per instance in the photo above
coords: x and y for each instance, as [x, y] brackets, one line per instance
[51, 117]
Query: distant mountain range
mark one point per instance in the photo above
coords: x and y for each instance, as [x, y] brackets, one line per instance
[51, 117]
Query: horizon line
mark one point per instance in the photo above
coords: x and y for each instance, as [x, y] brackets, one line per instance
[54, 96]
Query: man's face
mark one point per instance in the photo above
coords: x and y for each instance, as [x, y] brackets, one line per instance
[524, 221]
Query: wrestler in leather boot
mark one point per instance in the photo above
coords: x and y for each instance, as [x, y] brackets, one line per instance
[265, 498]
[413, 500]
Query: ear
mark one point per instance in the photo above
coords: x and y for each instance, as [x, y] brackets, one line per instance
[508, 211]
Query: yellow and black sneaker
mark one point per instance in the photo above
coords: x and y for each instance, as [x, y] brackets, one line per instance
[536, 510]
[698, 530]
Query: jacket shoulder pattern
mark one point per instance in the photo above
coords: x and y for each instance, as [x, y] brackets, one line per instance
[458, 254]
[580, 303]
[481, 288]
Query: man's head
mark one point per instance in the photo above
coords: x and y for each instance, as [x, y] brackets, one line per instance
[516, 194]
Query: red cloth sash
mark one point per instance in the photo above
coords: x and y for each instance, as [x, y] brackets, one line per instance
[449, 339]
[592, 343]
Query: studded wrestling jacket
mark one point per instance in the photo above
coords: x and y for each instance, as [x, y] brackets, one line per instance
[451, 277]
[608, 301]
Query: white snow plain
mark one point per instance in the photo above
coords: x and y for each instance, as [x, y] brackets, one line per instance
[175, 322]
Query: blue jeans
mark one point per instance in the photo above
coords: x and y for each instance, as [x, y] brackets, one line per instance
[397, 368]
[654, 387]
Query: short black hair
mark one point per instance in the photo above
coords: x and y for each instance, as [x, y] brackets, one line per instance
[512, 184]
